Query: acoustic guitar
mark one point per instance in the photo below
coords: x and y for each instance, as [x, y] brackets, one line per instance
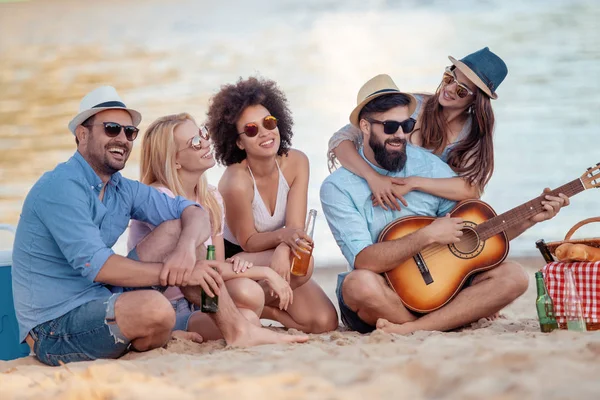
[431, 278]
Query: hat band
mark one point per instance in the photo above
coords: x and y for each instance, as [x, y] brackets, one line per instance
[488, 82]
[384, 91]
[110, 104]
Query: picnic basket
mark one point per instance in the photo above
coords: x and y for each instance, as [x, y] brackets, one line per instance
[586, 275]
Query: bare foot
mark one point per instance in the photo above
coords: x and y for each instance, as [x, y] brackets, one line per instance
[495, 316]
[390, 327]
[251, 335]
[193, 336]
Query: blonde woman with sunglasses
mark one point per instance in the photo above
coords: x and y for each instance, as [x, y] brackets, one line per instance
[265, 188]
[175, 155]
[455, 123]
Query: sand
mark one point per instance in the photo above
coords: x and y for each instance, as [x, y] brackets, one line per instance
[503, 359]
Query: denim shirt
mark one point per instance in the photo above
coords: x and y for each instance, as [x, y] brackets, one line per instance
[65, 235]
[352, 218]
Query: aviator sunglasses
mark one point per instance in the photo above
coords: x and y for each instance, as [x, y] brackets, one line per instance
[251, 128]
[390, 127]
[113, 129]
[196, 142]
[462, 90]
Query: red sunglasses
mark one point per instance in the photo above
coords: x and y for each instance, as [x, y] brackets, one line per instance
[251, 128]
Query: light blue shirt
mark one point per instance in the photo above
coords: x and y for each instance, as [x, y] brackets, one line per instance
[352, 218]
[65, 235]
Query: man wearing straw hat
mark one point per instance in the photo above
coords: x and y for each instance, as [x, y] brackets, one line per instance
[365, 300]
[68, 285]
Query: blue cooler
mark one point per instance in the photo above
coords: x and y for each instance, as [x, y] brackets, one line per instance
[9, 329]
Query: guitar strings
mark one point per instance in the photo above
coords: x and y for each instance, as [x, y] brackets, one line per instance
[468, 240]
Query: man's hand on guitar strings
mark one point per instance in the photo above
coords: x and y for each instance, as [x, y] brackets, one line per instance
[445, 230]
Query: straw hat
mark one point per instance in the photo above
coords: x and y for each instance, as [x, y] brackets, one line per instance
[378, 86]
[101, 99]
[484, 68]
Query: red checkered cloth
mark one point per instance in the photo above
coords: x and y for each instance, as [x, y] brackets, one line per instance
[587, 282]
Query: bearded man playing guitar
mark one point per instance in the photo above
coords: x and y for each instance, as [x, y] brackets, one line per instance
[365, 298]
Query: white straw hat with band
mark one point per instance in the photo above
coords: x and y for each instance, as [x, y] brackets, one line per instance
[101, 99]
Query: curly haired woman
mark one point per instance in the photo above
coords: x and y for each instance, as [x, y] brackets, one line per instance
[265, 188]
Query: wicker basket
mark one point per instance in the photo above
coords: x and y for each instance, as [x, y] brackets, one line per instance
[594, 242]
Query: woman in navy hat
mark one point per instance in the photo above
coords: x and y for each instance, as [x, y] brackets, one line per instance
[455, 123]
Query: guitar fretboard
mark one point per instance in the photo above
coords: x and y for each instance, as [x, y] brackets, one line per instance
[517, 215]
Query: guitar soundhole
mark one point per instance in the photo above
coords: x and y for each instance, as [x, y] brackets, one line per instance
[470, 246]
[468, 242]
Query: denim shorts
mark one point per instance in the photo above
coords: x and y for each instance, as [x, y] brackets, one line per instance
[350, 318]
[183, 311]
[85, 333]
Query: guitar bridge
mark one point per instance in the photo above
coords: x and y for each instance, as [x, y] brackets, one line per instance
[423, 269]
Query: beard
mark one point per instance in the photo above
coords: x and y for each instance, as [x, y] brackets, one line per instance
[102, 160]
[389, 160]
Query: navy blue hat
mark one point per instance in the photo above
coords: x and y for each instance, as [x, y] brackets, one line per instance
[484, 68]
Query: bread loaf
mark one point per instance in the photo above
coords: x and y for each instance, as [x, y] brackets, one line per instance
[562, 250]
[583, 252]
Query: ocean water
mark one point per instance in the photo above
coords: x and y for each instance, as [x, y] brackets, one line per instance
[167, 57]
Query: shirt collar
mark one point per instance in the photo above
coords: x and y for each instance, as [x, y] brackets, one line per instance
[91, 176]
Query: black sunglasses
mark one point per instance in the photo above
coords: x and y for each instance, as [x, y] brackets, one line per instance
[251, 128]
[113, 129]
[390, 127]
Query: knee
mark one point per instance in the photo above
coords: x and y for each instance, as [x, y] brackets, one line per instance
[361, 287]
[246, 293]
[515, 280]
[326, 320]
[159, 312]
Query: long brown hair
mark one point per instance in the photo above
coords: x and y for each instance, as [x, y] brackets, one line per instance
[473, 157]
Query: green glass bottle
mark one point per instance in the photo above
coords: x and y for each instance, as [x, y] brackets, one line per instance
[209, 304]
[544, 305]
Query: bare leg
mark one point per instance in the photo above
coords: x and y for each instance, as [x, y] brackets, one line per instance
[311, 311]
[236, 329]
[249, 298]
[491, 291]
[145, 317]
[367, 294]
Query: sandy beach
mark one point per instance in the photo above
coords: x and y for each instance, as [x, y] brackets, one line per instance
[503, 359]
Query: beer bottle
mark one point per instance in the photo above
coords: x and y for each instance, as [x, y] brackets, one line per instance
[300, 265]
[209, 304]
[573, 308]
[541, 245]
[544, 305]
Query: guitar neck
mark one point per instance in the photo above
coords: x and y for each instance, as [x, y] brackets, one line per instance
[517, 215]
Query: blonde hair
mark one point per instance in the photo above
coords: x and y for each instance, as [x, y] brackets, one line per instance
[158, 165]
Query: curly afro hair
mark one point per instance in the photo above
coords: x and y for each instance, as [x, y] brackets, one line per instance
[227, 106]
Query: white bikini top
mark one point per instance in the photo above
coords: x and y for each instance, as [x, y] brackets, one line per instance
[263, 220]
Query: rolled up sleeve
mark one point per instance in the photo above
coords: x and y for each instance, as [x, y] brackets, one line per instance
[154, 207]
[348, 226]
[67, 216]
